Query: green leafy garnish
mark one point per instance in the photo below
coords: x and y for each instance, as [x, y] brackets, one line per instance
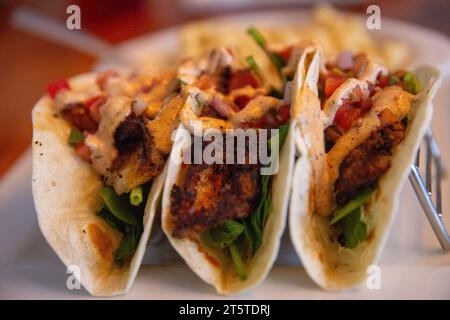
[75, 136]
[276, 60]
[120, 215]
[352, 205]
[245, 237]
[110, 219]
[252, 64]
[259, 216]
[236, 255]
[119, 205]
[128, 244]
[257, 36]
[412, 83]
[354, 230]
[136, 196]
[224, 234]
[248, 234]
[393, 80]
[282, 134]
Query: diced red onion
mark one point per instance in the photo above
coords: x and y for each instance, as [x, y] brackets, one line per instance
[344, 60]
[287, 98]
[221, 106]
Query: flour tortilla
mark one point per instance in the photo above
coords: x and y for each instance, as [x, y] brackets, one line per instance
[329, 265]
[224, 278]
[66, 197]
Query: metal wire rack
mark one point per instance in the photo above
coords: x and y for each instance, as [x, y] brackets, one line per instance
[429, 194]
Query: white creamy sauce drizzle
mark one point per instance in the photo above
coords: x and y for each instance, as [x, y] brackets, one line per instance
[370, 70]
[255, 110]
[103, 152]
[192, 108]
[341, 94]
[190, 70]
[198, 99]
[165, 122]
[393, 98]
[66, 98]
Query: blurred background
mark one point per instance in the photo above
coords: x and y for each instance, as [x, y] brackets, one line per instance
[33, 51]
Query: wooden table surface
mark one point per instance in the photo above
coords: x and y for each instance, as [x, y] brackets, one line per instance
[28, 62]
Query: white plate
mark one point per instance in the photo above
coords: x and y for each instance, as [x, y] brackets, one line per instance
[412, 266]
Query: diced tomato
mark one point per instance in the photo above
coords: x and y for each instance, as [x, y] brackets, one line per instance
[345, 116]
[371, 88]
[83, 151]
[332, 83]
[241, 102]
[284, 113]
[268, 121]
[94, 104]
[365, 104]
[104, 76]
[355, 96]
[91, 101]
[79, 117]
[57, 86]
[242, 78]
[205, 82]
[286, 54]
[383, 80]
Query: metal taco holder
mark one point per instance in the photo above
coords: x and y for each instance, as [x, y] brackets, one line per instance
[431, 207]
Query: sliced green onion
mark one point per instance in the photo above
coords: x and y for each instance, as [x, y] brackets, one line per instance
[257, 36]
[254, 67]
[119, 205]
[352, 205]
[275, 58]
[412, 83]
[75, 136]
[136, 196]
[252, 63]
[237, 260]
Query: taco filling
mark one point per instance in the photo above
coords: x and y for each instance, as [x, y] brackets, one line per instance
[224, 207]
[365, 115]
[121, 127]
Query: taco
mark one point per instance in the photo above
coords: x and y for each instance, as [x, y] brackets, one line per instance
[100, 144]
[357, 135]
[226, 218]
